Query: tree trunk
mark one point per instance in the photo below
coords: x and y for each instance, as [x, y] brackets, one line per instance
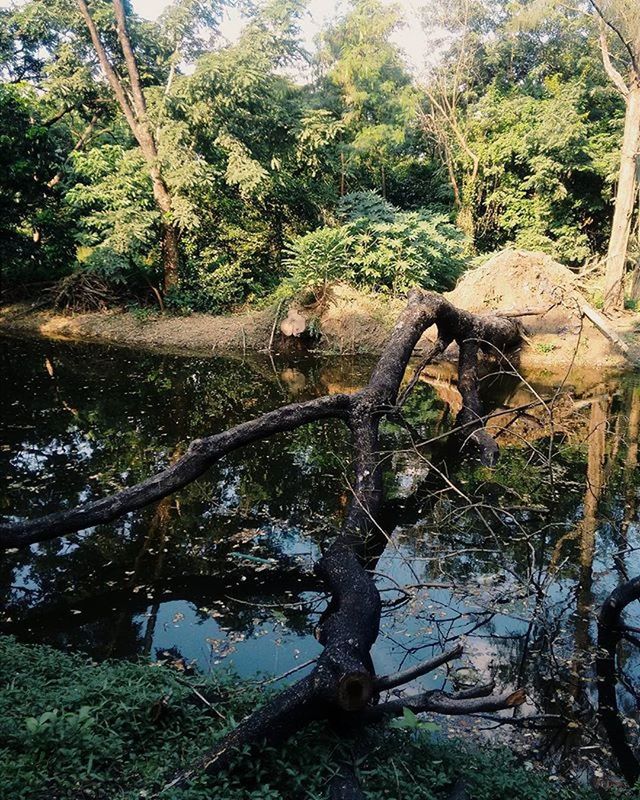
[134, 108]
[624, 204]
[170, 251]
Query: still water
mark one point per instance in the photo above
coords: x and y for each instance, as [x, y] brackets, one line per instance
[516, 559]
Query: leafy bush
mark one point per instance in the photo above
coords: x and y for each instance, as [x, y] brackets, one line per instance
[72, 729]
[366, 205]
[209, 284]
[379, 247]
[321, 256]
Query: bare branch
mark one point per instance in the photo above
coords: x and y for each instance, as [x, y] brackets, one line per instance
[200, 455]
[618, 33]
[400, 678]
[438, 702]
[615, 77]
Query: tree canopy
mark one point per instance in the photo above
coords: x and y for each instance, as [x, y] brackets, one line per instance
[160, 156]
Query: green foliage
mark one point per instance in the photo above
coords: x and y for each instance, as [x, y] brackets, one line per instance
[71, 728]
[112, 196]
[379, 247]
[254, 160]
[545, 172]
[528, 125]
[366, 205]
[320, 257]
[409, 721]
[35, 237]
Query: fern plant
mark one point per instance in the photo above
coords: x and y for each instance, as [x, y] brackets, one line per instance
[379, 247]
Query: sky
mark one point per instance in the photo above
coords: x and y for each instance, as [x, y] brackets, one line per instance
[410, 37]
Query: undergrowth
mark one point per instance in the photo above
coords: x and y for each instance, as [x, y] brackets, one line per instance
[73, 729]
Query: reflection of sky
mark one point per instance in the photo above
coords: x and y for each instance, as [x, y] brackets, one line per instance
[410, 634]
[269, 649]
[33, 458]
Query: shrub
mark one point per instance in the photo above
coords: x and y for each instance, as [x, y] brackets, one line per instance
[321, 256]
[209, 285]
[379, 247]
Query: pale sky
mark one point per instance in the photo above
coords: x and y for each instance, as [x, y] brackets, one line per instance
[410, 38]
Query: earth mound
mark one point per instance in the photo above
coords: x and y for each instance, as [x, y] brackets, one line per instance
[517, 281]
[557, 332]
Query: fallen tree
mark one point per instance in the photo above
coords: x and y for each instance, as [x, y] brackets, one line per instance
[343, 687]
[611, 631]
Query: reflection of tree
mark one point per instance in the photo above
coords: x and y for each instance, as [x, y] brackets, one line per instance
[579, 671]
[152, 548]
[597, 440]
[630, 470]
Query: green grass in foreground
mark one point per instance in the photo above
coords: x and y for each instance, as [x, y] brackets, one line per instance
[71, 729]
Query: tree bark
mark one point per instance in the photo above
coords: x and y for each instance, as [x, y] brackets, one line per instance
[625, 203]
[610, 629]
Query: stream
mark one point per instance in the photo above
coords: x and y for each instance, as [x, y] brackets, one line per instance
[516, 559]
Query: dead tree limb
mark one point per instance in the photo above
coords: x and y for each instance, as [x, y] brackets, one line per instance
[361, 410]
[200, 455]
[610, 632]
[437, 702]
[410, 674]
[342, 686]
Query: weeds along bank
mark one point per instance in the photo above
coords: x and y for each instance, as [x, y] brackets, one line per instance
[71, 728]
[340, 317]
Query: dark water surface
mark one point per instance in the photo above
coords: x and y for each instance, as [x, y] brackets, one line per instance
[517, 559]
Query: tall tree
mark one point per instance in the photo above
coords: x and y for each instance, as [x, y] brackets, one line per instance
[133, 103]
[448, 92]
[365, 81]
[619, 22]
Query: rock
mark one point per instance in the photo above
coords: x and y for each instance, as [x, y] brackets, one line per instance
[293, 324]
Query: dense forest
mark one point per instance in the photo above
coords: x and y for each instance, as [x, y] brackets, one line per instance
[155, 162]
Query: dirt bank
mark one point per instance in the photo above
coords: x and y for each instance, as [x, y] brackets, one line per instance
[354, 321]
[558, 333]
[197, 333]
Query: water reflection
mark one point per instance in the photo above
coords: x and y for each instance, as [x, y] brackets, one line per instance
[517, 558]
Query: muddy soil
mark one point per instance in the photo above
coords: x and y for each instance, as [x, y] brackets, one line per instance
[352, 321]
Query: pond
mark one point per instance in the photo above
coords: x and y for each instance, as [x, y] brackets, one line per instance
[516, 559]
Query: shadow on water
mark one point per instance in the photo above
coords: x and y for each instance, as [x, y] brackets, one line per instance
[517, 559]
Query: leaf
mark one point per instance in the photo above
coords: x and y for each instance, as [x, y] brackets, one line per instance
[32, 724]
[409, 720]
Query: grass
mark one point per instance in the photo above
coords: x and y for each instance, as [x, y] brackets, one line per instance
[73, 729]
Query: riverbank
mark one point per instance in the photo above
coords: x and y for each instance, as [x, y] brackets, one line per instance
[349, 321]
[72, 728]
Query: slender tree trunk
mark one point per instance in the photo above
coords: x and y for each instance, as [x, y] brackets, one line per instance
[170, 250]
[134, 108]
[625, 203]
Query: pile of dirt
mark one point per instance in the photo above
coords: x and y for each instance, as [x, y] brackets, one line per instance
[518, 281]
